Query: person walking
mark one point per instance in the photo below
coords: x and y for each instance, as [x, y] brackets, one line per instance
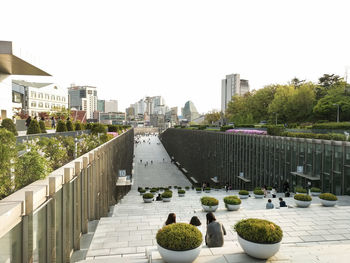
[215, 232]
[53, 122]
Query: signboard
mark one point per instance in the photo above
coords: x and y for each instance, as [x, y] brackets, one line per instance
[122, 173]
[300, 169]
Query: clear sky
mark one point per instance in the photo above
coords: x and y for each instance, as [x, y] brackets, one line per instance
[179, 49]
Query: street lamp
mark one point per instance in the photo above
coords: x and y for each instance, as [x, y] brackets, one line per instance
[337, 111]
[276, 117]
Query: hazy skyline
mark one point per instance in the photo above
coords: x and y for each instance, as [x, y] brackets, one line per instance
[179, 49]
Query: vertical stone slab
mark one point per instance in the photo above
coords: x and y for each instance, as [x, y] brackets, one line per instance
[96, 176]
[84, 226]
[91, 187]
[77, 205]
[66, 215]
[52, 221]
[27, 241]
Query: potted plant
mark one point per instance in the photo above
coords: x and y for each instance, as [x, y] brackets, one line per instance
[209, 204]
[199, 190]
[175, 187]
[243, 194]
[187, 188]
[182, 249]
[207, 189]
[315, 191]
[166, 196]
[170, 187]
[181, 192]
[147, 188]
[302, 200]
[148, 197]
[300, 190]
[258, 193]
[268, 189]
[232, 203]
[217, 188]
[328, 199]
[161, 189]
[153, 190]
[142, 191]
[259, 238]
[179, 187]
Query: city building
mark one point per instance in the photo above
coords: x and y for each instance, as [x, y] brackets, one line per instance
[32, 97]
[107, 106]
[101, 105]
[189, 111]
[171, 116]
[230, 86]
[10, 65]
[83, 98]
[112, 118]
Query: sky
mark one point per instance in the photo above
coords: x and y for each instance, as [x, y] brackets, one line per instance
[179, 49]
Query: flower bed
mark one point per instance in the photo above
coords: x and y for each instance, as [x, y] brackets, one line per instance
[257, 132]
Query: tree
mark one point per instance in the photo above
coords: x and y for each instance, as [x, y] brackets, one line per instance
[212, 116]
[34, 127]
[42, 126]
[9, 125]
[296, 82]
[77, 126]
[69, 125]
[326, 83]
[54, 151]
[259, 102]
[8, 153]
[61, 126]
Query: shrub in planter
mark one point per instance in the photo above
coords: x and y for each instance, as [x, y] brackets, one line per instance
[179, 242]
[167, 194]
[148, 197]
[199, 190]
[9, 125]
[166, 189]
[187, 188]
[175, 187]
[61, 126]
[147, 188]
[217, 188]
[170, 187]
[232, 203]
[181, 192]
[207, 189]
[243, 194]
[302, 200]
[257, 188]
[258, 193]
[69, 125]
[269, 188]
[77, 126]
[142, 191]
[300, 190]
[315, 191]
[209, 204]
[259, 238]
[179, 187]
[153, 190]
[328, 199]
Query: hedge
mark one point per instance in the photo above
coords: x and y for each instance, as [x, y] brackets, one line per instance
[34, 127]
[77, 126]
[332, 126]
[42, 126]
[61, 126]
[226, 127]
[9, 125]
[69, 125]
[244, 126]
[275, 130]
[320, 136]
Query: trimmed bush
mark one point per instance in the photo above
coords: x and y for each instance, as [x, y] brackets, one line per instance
[148, 196]
[179, 187]
[243, 192]
[142, 191]
[259, 231]
[258, 192]
[187, 188]
[97, 128]
[9, 125]
[69, 125]
[332, 126]
[153, 190]
[315, 190]
[328, 196]
[300, 190]
[198, 189]
[179, 237]
[167, 194]
[275, 130]
[269, 188]
[225, 128]
[181, 191]
[78, 126]
[61, 126]
[175, 187]
[319, 136]
[207, 189]
[232, 200]
[42, 126]
[34, 127]
[209, 201]
[302, 197]
[257, 188]
[244, 126]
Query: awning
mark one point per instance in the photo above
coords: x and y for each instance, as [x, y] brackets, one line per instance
[246, 180]
[12, 65]
[309, 177]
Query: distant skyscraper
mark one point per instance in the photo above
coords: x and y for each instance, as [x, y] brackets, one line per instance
[189, 111]
[83, 98]
[230, 86]
[111, 106]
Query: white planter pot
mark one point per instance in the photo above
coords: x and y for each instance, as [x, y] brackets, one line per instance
[210, 208]
[217, 189]
[154, 193]
[302, 203]
[328, 202]
[148, 200]
[315, 193]
[142, 193]
[256, 250]
[181, 195]
[171, 256]
[199, 192]
[243, 196]
[207, 191]
[166, 199]
[232, 207]
[297, 193]
[258, 196]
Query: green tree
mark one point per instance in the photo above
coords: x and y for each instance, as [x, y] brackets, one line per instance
[9, 125]
[34, 127]
[326, 83]
[77, 126]
[259, 102]
[30, 167]
[42, 126]
[54, 151]
[69, 125]
[61, 126]
[8, 153]
[212, 116]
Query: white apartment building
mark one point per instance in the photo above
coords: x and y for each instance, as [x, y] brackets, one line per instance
[83, 98]
[230, 86]
[33, 97]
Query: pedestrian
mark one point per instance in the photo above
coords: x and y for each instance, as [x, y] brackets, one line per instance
[265, 190]
[197, 223]
[269, 204]
[53, 122]
[282, 203]
[215, 232]
[171, 219]
[273, 192]
[151, 162]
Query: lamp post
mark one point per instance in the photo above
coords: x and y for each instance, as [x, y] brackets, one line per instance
[337, 111]
[276, 117]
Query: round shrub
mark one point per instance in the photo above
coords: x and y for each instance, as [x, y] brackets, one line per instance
[153, 190]
[142, 191]
[315, 190]
[243, 192]
[170, 187]
[258, 192]
[77, 126]
[167, 194]
[269, 188]
[300, 190]
[180, 191]
[259, 231]
[42, 126]
[207, 189]
[302, 197]
[34, 127]
[69, 125]
[217, 187]
[175, 187]
[166, 189]
[9, 125]
[61, 126]
[148, 196]
[161, 188]
[179, 187]
[147, 188]
[179, 237]
[257, 188]
[199, 189]
[328, 196]
[232, 200]
[209, 201]
[187, 188]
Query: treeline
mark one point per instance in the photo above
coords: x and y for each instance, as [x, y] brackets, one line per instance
[296, 102]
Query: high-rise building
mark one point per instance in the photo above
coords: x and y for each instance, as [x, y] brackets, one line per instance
[101, 105]
[111, 106]
[189, 111]
[83, 98]
[230, 86]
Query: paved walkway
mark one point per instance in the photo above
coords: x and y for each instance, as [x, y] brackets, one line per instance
[314, 234]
